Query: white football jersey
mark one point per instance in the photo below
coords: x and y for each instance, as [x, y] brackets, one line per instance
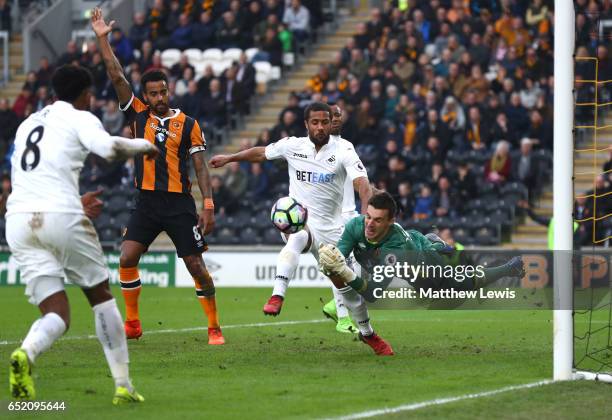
[348, 201]
[317, 180]
[50, 148]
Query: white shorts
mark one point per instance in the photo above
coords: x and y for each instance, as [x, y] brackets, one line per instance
[51, 247]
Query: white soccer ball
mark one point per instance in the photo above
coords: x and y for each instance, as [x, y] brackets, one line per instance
[288, 215]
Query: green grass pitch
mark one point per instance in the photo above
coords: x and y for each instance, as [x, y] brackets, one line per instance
[303, 370]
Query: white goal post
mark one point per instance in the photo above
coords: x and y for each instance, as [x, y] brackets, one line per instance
[563, 193]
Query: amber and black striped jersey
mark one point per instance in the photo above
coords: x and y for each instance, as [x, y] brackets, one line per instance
[177, 137]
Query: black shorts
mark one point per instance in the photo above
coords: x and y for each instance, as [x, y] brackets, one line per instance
[173, 213]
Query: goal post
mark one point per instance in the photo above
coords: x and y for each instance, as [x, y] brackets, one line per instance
[563, 192]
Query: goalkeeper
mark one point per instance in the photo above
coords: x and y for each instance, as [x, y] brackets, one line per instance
[377, 241]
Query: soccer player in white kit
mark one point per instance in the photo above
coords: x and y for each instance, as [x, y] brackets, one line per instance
[318, 167]
[49, 234]
[335, 308]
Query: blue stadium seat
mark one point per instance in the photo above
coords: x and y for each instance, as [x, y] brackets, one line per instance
[250, 236]
[272, 237]
[487, 235]
[103, 221]
[463, 236]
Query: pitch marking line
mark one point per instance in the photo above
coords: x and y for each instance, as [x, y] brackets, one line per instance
[179, 330]
[438, 401]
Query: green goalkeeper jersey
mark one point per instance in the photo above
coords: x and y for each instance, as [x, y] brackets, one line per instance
[398, 244]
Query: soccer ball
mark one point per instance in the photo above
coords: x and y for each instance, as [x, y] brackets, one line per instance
[288, 215]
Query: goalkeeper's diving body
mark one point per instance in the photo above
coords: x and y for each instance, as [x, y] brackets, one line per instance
[376, 240]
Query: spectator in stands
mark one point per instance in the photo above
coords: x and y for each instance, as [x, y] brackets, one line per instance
[503, 130]
[191, 102]
[228, 32]
[5, 16]
[203, 32]
[258, 183]
[454, 117]
[172, 21]
[236, 95]
[146, 56]
[530, 94]
[477, 83]
[445, 199]
[42, 98]
[540, 130]
[45, 71]
[98, 72]
[607, 168]
[274, 7]
[178, 69]
[286, 38]
[272, 46]
[71, 55]
[405, 200]
[156, 18]
[8, 125]
[395, 174]
[252, 17]
[112, 119]
[245, 75]
[498, 168]
[297, 19]
[537, 13]
[525, 168]
[183, 81]
[465, 182]
[31, 81]
[433, 127]
[224, 202]
[263, 139]
[204, 81]
[236, 180]
[288, 126]
[423, 207]
[122, 46]
[214, 105]
[140, 31]
[182, 36]
[5, 185]
[477, 131]
[22, 101]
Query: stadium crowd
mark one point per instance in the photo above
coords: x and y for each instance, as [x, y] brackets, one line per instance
[448, 102]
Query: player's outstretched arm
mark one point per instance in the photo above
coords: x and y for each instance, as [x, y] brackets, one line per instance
[254, 154]
[206, 219]
[113, 67]
[363, 188]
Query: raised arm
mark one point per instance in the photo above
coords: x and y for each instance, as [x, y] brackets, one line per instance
[113, 67]
[254, 154]
[206, 219]
[362, 186]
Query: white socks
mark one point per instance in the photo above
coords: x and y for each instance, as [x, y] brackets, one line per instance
[358, 309]
[288, 260]
[110, 332]
[42, 334]
[341, 308]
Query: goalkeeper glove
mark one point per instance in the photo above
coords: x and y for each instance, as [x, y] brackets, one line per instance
[332, 262]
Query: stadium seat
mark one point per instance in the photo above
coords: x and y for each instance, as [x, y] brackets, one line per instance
[454, 157]
[250, 236]
[222, 222]
[463, 236]
[487, 235]
[441, 222]
[288, 59]
[478, 157]
[194, 55]
[117, 204]
[487, 191]
[514, 191]
[250, 53]
[275, 73]
[170, 57]
[212, 54]
[226, 236]
[220, 66]
[263, 69]
[261, 221]
[232, 54]
[110, 234]
[103, 221]
[272, 236]
[121, 220]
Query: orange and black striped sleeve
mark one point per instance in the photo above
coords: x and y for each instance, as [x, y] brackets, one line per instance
[133, 108]
[197, 139]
